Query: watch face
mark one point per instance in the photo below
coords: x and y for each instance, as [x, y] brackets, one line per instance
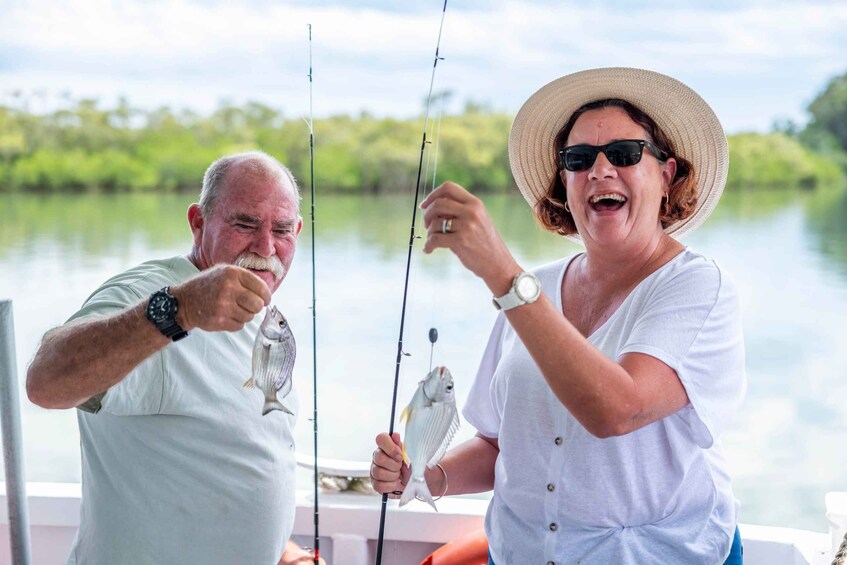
[527, 287]
[160, 307]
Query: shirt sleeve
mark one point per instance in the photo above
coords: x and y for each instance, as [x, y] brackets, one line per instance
[141, 391]
[692, 323]
[480, 409]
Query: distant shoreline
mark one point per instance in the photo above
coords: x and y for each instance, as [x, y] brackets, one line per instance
[85, 149]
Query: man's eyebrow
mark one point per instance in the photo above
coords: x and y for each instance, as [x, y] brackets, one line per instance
[284, 224]
[254, 221]
[244, 218]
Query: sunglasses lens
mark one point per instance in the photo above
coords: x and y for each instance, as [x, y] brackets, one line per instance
[623, 153]
[579, 158]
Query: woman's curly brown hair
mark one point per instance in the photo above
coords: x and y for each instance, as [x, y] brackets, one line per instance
[682, 195]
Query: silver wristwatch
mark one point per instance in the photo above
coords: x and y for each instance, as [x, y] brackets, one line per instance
[525, 290]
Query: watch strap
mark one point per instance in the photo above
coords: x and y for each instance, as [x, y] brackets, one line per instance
[173, 331]
[169, 326]
[512, 299]
[508, 301]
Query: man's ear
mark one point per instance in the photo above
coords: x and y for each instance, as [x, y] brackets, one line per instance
[195, 222]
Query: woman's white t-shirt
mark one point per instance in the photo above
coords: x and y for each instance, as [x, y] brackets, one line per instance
[660, 494]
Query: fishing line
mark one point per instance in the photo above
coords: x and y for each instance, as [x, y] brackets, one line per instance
[434, 153]
[437, 139]
[317, 541]
[430, 173]
[437, 58]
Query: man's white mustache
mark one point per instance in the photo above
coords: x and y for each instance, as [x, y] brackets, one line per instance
[259, 263]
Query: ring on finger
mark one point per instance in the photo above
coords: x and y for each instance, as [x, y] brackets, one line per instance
[447, 225]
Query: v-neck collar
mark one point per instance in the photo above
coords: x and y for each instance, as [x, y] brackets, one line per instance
[613, 315]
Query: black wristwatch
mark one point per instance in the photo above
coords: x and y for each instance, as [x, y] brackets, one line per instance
[161, 310]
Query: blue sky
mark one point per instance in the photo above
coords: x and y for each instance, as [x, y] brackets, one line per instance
[753, 61]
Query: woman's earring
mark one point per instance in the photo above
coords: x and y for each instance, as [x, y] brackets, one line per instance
[567, 208]
[666, 207]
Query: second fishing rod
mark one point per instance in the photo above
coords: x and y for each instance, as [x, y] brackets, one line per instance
[399, 358]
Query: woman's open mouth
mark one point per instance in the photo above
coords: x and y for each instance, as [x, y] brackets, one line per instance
[607, 202]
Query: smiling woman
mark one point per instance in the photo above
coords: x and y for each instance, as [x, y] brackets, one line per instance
[551, 210]
[608, 380]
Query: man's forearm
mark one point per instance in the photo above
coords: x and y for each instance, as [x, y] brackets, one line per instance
[85, 358]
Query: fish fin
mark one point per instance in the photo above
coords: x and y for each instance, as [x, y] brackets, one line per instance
[417, 488]
[274, 404]
[406, 414]
[283, 385]
[248, 383]
[448, 437]
[265, 366]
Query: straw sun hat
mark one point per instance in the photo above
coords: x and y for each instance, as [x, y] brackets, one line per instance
[691, 125]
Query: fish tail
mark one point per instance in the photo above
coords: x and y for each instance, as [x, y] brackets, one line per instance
[417, 488]
[274, 404]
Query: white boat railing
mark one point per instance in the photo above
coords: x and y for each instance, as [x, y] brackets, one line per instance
[349, 529]
[10, 414]
[349, 521]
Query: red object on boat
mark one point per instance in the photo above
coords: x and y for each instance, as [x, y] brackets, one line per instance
[470, 549]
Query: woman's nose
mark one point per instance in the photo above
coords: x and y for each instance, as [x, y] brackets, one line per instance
[602, 168]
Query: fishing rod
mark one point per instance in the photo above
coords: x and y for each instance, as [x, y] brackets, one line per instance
[317, 541]
[424, 141]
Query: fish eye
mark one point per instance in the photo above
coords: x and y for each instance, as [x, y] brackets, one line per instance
[449, 388]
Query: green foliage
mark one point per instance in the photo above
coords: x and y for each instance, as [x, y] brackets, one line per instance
[474, 150]
[76, 169]
[777, 160]
[829, 110]
[85, 147]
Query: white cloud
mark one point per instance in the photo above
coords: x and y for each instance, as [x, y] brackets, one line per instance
[754, 61]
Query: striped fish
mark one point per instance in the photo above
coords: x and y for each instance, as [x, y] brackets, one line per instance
[273, 360]
[431, 422]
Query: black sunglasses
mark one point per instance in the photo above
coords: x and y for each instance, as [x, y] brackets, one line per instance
[623, 153]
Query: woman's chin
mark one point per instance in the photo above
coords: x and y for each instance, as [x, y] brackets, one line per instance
[608, 231]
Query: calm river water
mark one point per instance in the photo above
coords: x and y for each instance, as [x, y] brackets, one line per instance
[787, 251]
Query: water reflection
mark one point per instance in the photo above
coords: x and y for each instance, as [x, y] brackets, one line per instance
[787, 251]
[828, 224]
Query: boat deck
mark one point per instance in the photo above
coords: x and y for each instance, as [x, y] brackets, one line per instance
[349, 525]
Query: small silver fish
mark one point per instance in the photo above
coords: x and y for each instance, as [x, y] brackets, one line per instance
[431, 422]
[273, 360]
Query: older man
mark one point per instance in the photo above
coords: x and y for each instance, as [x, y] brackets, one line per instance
[178, 464]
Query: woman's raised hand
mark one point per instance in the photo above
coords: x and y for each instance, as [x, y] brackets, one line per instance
[457, 220]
